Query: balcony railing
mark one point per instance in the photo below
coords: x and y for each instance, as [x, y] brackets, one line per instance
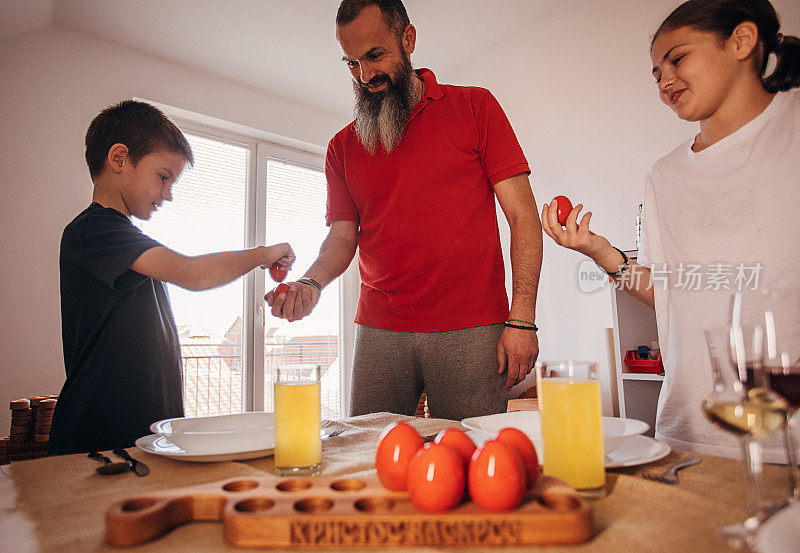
[214, 384]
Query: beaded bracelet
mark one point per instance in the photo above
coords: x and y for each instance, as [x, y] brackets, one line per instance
[310, 282]
[523, 321]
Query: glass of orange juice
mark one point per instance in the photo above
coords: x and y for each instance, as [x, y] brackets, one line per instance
[572, 428]
[298, 446]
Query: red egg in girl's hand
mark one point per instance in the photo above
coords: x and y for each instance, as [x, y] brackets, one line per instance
[277, 273]
[564, 209]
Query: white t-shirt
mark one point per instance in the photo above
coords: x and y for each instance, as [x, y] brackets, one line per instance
[736, 203]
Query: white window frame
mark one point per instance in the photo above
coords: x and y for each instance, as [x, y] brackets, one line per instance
[263, 146]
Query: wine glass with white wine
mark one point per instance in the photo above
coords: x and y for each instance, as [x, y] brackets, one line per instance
[740, 403]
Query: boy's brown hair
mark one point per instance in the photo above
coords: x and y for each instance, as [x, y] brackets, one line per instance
[143, 128]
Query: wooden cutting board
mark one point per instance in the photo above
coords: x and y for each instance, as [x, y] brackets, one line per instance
[284, 512]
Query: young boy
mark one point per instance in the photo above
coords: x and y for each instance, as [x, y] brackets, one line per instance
[121, 348]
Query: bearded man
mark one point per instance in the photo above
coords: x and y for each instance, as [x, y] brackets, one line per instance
[411, 184]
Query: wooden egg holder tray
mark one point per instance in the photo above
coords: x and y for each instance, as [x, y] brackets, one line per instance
[324, 511]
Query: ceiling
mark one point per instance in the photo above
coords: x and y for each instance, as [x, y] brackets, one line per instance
[284, 47]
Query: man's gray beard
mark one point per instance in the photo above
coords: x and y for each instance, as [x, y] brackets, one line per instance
[382, 116]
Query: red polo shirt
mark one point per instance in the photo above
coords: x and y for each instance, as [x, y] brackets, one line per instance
[429, 245]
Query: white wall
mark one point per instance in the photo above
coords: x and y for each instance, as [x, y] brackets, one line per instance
[53, 83]
[578, 89]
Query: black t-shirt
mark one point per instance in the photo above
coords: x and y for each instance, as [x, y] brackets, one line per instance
[121, 348]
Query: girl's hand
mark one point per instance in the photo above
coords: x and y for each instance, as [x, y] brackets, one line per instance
[574, 236]
[281, 254]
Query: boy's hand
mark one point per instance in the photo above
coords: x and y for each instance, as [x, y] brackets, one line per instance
[295, 304]
[574, 236]
[281, 254]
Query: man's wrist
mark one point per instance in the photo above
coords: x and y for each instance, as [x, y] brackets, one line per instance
[521, 318]
[308, 281]
[521, 325]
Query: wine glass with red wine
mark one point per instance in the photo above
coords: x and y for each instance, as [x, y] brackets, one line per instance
[741, 404]
[778, 313]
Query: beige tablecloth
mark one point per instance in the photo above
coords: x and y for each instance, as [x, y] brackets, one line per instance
[66, 499]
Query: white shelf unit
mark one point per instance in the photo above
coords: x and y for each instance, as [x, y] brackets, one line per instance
[642, 376]
[634, 325]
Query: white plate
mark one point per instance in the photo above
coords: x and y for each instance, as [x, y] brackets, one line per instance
[632, 450]
[636, 450]
[159, 445]
[615, 429]
[781, 533]
[218, 434]
[253, 420]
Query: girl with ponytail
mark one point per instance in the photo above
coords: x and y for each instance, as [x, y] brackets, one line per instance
[721, 18]
[721, 210]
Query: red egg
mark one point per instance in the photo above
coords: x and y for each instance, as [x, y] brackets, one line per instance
[496, 477]
[397, 444]
[277, 273]
[564, 209]
[436, 478]
[525, 449]
[281, 289]
[458, 441]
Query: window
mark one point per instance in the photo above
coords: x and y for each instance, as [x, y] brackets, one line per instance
[207, 214]
[295, 213]
[243, 191]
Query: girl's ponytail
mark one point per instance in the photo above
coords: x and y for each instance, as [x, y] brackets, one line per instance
[787, 69]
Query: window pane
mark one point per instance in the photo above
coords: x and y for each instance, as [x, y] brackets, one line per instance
[207, 215]
[296, 214]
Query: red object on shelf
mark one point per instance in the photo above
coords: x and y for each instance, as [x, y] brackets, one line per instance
[636, 365]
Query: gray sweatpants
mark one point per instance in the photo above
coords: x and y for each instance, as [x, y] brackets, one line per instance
[457, 369]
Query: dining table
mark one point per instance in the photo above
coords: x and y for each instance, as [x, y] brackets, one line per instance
[59, 504]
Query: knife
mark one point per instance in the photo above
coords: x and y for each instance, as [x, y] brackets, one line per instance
[136, 466]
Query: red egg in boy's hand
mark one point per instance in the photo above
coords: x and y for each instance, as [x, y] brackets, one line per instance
[277, 273]
[564, 209]
[281, 289]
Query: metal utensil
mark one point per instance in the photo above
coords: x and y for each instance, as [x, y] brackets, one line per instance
[332, 433]
[670, 476]
[136, 466]
[108, 467]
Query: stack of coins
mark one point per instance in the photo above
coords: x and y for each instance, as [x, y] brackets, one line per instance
[44, 417]
[21, 420]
